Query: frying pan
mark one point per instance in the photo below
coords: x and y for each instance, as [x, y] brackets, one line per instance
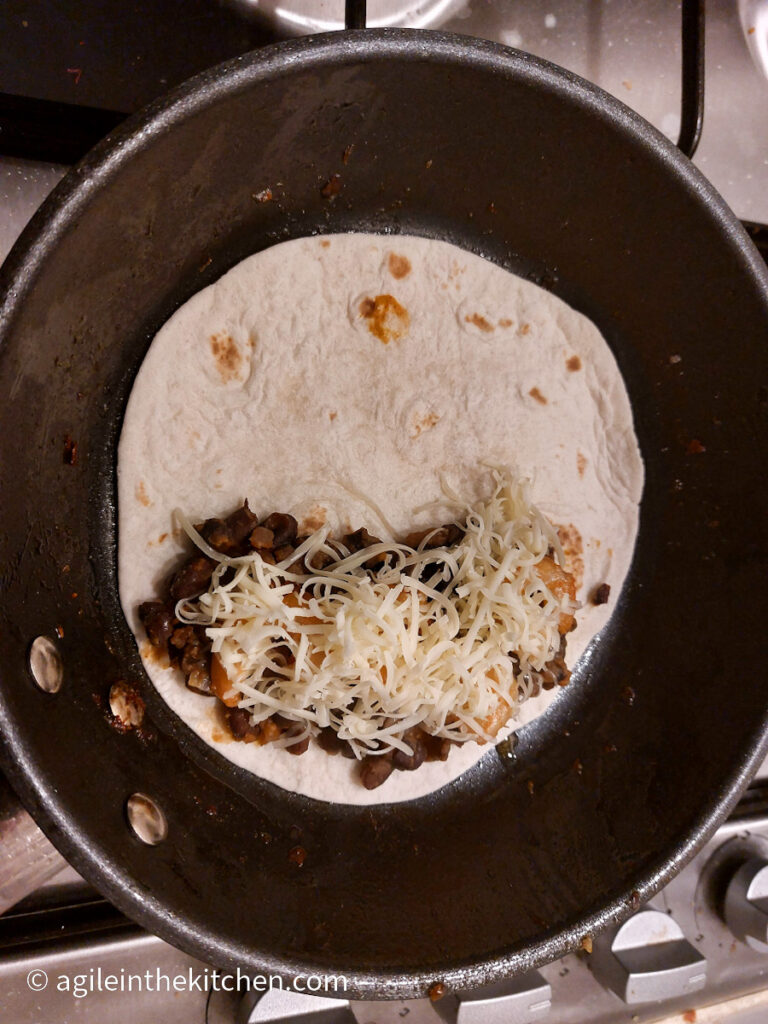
[610, 792]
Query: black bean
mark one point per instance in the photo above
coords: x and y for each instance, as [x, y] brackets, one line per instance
[192, 578]
[239, 721]
[416, 740]
[375, 770]
[158, 621]
[283, 526]
[230, 535]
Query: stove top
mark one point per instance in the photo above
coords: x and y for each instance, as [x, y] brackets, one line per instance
[71, 71]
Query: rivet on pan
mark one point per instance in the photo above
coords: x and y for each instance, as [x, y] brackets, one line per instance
[46, 665]
[146, 819]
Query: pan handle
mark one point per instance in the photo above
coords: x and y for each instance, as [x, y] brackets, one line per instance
[692, 102]
[354, 14]
[27, 857]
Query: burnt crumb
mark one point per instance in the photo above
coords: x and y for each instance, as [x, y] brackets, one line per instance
[628, 695]
[126, 705]
[332, 187]
[577, 767]
[610, 748]
[347, 153]
[601, 594]
[436, 991]
[70, 451]
[694, 447]
[265, 196]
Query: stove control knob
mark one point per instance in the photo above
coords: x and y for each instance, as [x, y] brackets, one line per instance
[746, 904]
[525, 999]
[647, 959]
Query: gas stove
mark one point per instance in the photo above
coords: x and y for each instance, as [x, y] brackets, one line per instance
[70, 72]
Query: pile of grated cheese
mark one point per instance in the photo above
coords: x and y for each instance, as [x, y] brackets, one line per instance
[425, 640]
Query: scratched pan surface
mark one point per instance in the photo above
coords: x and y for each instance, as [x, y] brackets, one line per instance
[511, 158]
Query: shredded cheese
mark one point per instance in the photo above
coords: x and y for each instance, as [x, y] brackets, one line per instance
[446, 638]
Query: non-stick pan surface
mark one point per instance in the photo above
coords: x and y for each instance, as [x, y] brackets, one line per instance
[611, 791]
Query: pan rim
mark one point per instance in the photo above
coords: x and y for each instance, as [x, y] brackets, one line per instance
[18, 275]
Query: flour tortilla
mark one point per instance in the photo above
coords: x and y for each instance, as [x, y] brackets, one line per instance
[288, 383]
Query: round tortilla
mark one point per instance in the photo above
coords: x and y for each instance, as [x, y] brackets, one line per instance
[343, 379]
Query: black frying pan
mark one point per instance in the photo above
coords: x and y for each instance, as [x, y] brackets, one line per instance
[631, 771]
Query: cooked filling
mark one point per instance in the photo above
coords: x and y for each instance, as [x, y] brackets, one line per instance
[389, 652]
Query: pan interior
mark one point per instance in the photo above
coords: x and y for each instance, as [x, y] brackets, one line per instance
[541, 174]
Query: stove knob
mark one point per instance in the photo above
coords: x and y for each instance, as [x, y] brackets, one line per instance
[746, 904]
[648, 959]
[521, 1000]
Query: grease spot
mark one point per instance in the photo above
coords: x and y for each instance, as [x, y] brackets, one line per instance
[399, 266]
[573, 364]
[227, 356]
[314, 519]
[387, 319]
[537, 396]
[573, 549]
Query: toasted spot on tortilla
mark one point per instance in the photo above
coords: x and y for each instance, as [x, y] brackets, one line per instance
[325, 243]
[423, 423]
[332, 416]
[479, 321]
[581, 463]
[314, 519]
[525, 328]
[219, 736]
[141, 495]
[573, 364]
[399, 266]
[387, 319]
[227, 356]
[505, 322]
[573, 549]
[154, 654]
[162, 538]
[537, 395]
